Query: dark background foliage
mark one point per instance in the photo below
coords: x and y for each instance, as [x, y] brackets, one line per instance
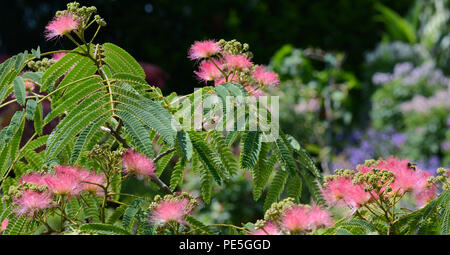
[160, 32]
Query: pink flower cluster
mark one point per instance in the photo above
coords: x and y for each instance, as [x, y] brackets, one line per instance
[220, 66]
[171, 210]
[406, 179]
[136, 163]
[298, 218]
[68, 181]
[342, 191]
[61, 25]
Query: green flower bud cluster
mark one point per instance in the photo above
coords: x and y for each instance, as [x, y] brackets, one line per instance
[84, 13]
[235, 47]
[41, 65]
[277, 210]
[260, 224]
[111, 160]
[441, 177]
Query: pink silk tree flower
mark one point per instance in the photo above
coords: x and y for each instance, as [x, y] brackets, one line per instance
[134, 162]
[237, 62]
[203, 49]
[208, 70]
[92, 188]
[297, 219]
[30, 202]
[170, 210]
[406, 179]
[269, 229]
[265, 77]
[5, 223]
[63, 184]
[342, 192]
[61, 25]
[424, 196]
[34, 178]
[319, 217]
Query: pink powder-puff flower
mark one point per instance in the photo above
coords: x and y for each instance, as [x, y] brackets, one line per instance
[63, 184]
[33, 178]
[424, 196]
[78, 173]
[203, 49]
[134, 162]
[269, 229]
[406, 179]
[30, 202]
[237, 62]
[265, 77]
[170, 210]
[61, 25]
[342, 192]
[5, 223]
[297, 219]
[319, 217]
[58, 56]
[92, 188]
[208, 70]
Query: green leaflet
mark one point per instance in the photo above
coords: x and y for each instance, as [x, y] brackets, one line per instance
[121, 61]
[206, 181]
[294, 187]
[177, 173]
[224, 152]
[118, 212]
[104, 229]
[250, 151]
[19, 90]
[58, 69]
[138, 132]
[276, 188]
[130, 213]
[30, 109]
[38, 119]
[208, 157]
[185, 144]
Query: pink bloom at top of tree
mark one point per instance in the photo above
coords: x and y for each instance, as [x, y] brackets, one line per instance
[269, 229]
[138, 164]
[265, 77]
[30, 202]
[341, 191]
[208, 70]
[171, 210]
[61, 25]
[237, 62]
[204, 49]
[58, 56]
[297, 219]
[5, 223]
